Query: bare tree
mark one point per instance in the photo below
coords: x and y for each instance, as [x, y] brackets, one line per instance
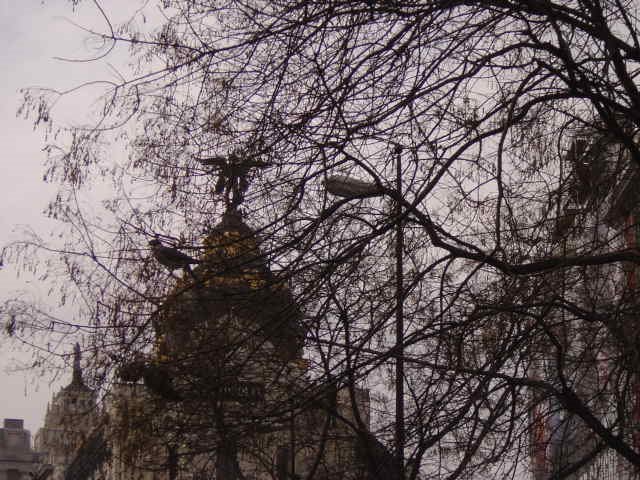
[516, 127]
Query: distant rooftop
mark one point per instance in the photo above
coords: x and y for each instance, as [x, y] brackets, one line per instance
[14, 423]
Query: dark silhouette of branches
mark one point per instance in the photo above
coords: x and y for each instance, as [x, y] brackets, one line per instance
[516, 124]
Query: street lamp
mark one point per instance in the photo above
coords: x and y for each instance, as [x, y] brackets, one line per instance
[350, 188]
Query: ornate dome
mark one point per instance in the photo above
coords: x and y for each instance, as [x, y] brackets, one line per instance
[232, 259]
[232, 280]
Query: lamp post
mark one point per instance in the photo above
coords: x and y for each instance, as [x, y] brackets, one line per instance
[348, 187]
[399, 430]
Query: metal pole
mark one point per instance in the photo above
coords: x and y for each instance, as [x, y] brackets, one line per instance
[293, 442]
[399, 431]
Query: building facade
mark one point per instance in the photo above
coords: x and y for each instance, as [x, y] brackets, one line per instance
[226, 393]
[70, 419]
[18, 461]
[596, 346]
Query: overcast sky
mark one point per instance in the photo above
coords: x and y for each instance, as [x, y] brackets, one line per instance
[32, 33]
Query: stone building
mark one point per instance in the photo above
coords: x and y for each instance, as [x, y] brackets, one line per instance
[70, 420]
[599, 214]
[18, 461]
[225, 394]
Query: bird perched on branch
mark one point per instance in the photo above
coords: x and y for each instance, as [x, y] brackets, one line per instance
[171, 257]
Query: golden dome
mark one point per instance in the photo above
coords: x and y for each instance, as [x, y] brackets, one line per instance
[232, 259]
[232, 279]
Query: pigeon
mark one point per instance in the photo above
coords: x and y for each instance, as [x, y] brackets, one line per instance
[171, 257]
